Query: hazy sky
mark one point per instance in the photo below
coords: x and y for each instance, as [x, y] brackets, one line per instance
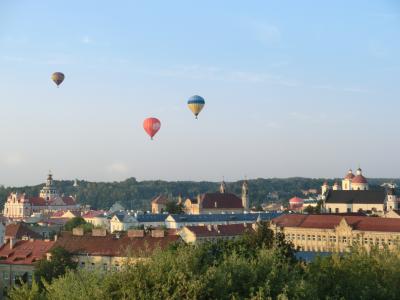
[292, 88]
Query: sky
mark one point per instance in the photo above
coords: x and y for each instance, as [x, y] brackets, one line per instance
[292, 88]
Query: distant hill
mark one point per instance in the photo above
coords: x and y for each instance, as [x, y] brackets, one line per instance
[137, 194]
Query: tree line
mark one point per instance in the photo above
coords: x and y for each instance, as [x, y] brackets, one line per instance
[260, 265]
[133, 194]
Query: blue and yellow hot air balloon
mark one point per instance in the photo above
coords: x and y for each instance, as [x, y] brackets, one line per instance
[196, 104]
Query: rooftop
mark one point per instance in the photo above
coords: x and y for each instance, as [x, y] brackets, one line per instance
[24, 252]
[112, 245]
[362, 223]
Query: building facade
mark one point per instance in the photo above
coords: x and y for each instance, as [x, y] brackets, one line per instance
[355, 195]
[110, 252]
[198, 234]
[18, 206]
[335, 233]
[220, 202]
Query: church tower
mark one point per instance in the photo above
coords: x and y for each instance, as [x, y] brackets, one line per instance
[49, 191]
[245, 195]
[347, 180]
[325, 189]
[391, 199]
[222, 187]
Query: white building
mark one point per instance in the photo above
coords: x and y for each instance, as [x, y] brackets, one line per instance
[19, 206]
[354, 196]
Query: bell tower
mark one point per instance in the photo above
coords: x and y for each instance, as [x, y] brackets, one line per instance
[245, 195]
[222, 187]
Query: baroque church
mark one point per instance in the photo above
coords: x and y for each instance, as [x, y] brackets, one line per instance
[219, 202]
[19, 206]
[354, 195]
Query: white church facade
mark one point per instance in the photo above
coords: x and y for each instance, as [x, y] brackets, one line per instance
[354, 195]
[18, 206]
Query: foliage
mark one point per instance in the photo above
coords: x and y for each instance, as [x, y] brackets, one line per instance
[257, 266]
[78, 222]
[174, 208]
[26, 292]
[60, 261]
[74, 222]
[137, 195]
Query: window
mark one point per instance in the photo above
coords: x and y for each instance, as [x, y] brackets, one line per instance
[330, 210]
[308, 237]
[366, 241]
[6, 276]
[313, 237]
[318, 238]
[336, 210]
[105, 267]
[349, 210]
[303, 237]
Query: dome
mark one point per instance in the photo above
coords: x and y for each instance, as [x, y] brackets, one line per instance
[296, 200]
[349, 175]
[359, 179]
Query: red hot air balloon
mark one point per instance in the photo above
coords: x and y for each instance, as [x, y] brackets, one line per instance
[151, 126]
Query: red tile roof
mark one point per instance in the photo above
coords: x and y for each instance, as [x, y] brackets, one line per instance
[69, 201]
[359, 179]
[362, 223]
[37, 201]
[93, 213]
[220, 230]
[24, 252]
[111, 246]
[220, 200]
[19, 230]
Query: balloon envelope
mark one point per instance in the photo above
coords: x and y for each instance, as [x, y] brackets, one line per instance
[151, 126]
[196, 104]
[57, 77]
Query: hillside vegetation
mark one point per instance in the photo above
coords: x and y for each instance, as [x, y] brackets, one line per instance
[135, 194]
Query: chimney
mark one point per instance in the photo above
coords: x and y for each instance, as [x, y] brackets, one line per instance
[12, 243]
[133, 233]
[209, 227]
[99, 232]
[78, 231]
[157, 233]
[55, 237]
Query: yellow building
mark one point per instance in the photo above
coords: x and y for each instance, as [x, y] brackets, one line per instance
[108, 252]
[18, 258]
[196, 234]
[159, 204]
[334, 233]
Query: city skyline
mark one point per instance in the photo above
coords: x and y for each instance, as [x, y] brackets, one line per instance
[291, 90]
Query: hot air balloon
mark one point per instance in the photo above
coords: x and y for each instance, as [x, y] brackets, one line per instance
[58, 78]
[196, 104]
[151, 126]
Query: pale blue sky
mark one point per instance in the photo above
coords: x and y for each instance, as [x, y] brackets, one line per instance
[292, 88]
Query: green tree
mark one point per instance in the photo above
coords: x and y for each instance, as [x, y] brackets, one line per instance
[74, 222]
[174, 208]
[27, 292]
[60, 261]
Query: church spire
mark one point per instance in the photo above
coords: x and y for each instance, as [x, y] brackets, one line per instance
[245, 194]
[222, 187]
